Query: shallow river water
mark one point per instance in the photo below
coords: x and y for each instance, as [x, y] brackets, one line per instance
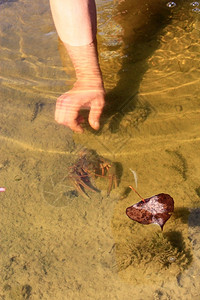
[57, 244]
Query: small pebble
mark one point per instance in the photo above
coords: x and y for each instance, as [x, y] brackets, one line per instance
[194, 3]
[17, 178]
[178, 108]
[171, 4]
[196, 10]
[171, 259]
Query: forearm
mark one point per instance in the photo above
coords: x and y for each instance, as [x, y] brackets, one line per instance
[85, 61]
[75, 21]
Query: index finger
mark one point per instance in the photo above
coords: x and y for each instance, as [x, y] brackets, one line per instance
[72, 115]
[67, 113]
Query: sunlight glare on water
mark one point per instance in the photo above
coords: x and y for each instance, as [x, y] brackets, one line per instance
[57, 244]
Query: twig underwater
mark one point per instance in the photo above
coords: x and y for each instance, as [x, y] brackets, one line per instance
[135, 176]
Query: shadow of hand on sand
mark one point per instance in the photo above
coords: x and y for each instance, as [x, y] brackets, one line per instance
[142, 24]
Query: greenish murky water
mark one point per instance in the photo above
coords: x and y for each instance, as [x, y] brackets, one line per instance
[57, 244]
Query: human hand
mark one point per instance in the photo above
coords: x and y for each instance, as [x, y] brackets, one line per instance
[70, 103]
[88, 91]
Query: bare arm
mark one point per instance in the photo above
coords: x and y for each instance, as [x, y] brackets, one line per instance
[75, 21]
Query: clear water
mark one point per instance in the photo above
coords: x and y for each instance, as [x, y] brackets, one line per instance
[56, 244]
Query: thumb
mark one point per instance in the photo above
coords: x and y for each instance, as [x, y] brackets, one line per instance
[95, 113]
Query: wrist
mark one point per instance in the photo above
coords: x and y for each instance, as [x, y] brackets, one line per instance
[89, 77]
[89, 84]
[86, 64]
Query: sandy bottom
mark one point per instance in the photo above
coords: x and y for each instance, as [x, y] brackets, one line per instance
[63, 246]
[57, 244]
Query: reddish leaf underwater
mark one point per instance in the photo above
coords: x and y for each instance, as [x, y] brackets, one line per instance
[154, 210]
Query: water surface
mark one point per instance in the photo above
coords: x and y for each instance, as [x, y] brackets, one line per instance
[61, 245]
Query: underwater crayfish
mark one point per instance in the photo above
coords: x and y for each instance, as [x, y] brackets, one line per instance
[88, 165]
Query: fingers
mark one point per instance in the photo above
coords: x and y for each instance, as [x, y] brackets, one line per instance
[68, 106]
[95, 112]
[67, 113]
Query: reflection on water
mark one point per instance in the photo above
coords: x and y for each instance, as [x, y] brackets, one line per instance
[88, 248]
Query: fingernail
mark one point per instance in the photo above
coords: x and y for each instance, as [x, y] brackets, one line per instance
[79, 130]
[96, 125]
